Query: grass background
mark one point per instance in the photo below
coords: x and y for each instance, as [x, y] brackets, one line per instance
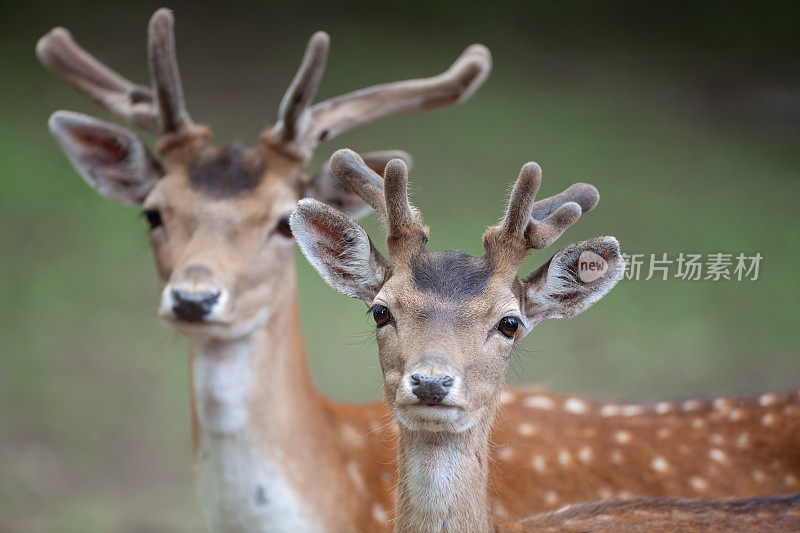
[687, 118]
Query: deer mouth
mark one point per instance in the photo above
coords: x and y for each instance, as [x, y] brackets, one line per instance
[216, 328]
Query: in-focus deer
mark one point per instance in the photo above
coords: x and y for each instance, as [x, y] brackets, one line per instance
[220, 222]
[271, 452]
[446, 324]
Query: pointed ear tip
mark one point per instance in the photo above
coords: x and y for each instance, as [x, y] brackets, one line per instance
[61, 118]
[612, 242]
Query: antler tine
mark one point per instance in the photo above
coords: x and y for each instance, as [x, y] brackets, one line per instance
[405, 232]
[331, 117]
[122, 98]
[521, 203]
[387, 196]
[351, 171]
[537, 224]
[551, 217]
[337, 115]
[293, 115]
[164, 74]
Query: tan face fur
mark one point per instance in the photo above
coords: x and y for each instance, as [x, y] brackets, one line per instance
[233, 246]
[434, 334]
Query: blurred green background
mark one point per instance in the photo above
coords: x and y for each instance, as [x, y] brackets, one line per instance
[686, 116]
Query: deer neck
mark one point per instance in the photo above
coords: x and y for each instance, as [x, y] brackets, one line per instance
[258, 424]
[443, 480]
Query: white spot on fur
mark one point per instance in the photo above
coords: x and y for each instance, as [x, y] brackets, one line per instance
[526, 429]
[585, 454]
[691, 405]
[664, 433]
[564, 458]
[379, 513]
[697, 483]
[609, 410]
[539, 463]
[769, 419]
[616, 457]
[767, 399]
[352, 436]
[659, 464]
[717, 455]
[663, 407]
[575, 406]
[698, 423]
[506, 397]
[358, 479]
[717, 439]
[625, 495]
[505, 453]
[790, 480]
[722, 405]
[743, 440]
[759, 476]
[622, 437]
[632, 410]
[604, 493]
[736, 414]
[539, 402]
[550, 497]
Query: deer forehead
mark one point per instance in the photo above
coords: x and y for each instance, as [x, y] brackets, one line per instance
[433, 293]
[179, 194]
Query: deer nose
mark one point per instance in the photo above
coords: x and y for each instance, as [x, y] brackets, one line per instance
[193, 306]
[429, 389]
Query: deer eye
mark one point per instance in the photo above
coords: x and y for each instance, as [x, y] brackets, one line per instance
[380, 315]
[153, 218]
[283, 228]
[508, 326]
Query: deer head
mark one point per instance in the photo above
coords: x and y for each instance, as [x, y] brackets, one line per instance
[219, 214]
[447, 321]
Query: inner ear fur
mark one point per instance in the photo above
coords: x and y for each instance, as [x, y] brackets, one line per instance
[114, 161]
[339, 249]
[555, 290]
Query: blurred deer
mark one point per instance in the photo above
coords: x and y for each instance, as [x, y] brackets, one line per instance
[446, 325]
[271, 453]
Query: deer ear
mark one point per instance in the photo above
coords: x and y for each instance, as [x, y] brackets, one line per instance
[113, 160]
[575, 278]
[339, 249]
[326, 188]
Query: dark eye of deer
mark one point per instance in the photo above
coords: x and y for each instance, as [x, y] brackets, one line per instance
[153, 218]
[283, 228]
[381, 315]
[508, 326]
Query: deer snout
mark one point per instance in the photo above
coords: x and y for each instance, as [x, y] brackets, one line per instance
[194, 295]
[430, 389]
[193, 307]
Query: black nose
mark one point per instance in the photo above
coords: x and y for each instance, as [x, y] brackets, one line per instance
[429, 389]
[193, 307]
